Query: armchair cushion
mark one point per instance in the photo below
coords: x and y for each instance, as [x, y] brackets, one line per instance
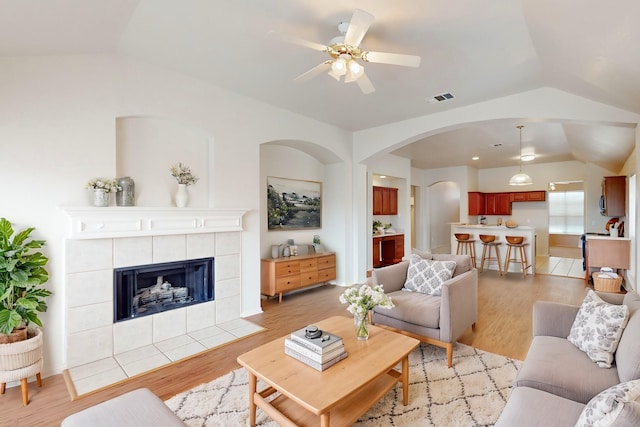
[428, 276]
[424, 311]
[598, 327]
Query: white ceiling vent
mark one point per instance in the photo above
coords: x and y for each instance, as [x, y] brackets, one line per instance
[440, 98]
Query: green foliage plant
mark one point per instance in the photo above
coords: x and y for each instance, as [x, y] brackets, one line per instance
[22, 274]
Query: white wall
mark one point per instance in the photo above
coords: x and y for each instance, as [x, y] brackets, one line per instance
[59, 130]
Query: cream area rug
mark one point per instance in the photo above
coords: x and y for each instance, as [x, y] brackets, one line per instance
[471, 393]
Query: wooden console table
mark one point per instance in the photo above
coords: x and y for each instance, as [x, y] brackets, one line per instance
[279, 275]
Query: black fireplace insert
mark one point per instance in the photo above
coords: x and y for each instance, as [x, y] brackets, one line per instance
[149, 289]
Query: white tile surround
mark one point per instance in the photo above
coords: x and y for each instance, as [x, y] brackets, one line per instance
[102, 239]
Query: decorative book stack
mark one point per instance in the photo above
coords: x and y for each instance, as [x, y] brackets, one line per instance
[320, 353]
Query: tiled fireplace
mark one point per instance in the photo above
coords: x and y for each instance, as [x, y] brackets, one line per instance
[104, 239]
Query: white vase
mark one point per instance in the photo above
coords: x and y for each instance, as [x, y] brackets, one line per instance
[100, 198]
[182, 196]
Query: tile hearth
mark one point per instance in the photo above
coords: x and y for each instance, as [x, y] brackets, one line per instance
[102, 373]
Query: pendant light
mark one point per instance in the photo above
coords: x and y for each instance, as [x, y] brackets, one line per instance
[520, 178]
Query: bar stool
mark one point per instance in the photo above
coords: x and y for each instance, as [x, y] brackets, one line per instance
[518, 243]
[488, 242]
[466, 246]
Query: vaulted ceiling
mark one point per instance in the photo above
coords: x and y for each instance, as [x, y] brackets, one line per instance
[475, 50]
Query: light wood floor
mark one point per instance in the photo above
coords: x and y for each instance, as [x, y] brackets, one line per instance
[503, 327]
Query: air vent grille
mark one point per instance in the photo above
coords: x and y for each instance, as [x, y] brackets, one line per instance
[440, 98]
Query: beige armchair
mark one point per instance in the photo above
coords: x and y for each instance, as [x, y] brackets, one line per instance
[437, 320]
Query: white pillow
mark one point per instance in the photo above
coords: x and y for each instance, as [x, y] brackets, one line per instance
[605, 407]
[427, 276]
[598, 327]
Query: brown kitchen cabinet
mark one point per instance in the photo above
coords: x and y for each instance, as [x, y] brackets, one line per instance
[476, 203]
[614, 192]
[387, 250]
[385, 201]
[529, 196]
[497, 204]
[279, 275]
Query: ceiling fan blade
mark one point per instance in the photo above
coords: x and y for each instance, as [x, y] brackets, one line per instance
[288, 38]
[392, 58]
[360, 22]
[365, 84]
[315, 71]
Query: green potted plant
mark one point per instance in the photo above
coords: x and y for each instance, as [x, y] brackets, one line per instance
[22, 274]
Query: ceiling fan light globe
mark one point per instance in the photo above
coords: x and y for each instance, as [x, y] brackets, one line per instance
[355, 69]
[339, 66]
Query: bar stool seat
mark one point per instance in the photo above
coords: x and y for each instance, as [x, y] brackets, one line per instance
[467, 247]
[520, 251]
[486, 251]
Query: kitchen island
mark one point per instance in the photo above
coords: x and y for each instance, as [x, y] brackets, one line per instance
[500, 231]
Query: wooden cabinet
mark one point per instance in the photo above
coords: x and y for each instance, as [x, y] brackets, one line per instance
[529, 196]
[607, 252]
[281, 275]
[614, 193]
[387, 250]
[497, 204]
[385, 201]
[476, 203]
[500, 203]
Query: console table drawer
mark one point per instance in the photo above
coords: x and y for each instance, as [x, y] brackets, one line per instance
[287, 283]
[309, 265]
[287, 268]
[326, 262]
[326, 274]
[309, 278]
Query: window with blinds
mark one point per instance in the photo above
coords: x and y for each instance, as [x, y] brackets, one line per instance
[566, 212]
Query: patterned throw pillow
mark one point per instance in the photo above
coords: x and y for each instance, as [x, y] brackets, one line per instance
[598, 327]
[427, 276]
[604, 408]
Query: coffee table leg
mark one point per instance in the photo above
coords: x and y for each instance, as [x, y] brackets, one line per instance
[324, 420]
[405, 380]
[253, 382]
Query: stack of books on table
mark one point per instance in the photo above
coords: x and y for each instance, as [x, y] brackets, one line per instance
[319, 353]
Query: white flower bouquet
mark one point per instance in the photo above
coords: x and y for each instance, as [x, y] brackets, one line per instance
[183, 174]
[363, 299]
[108, 185]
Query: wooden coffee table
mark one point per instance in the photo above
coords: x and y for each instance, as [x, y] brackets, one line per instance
[338, 395]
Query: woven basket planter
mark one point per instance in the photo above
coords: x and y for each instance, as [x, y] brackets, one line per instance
[21, 354]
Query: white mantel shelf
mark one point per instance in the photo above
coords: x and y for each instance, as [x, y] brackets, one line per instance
[89, 222]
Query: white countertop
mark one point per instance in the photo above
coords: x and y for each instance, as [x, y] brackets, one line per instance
[387, 234]
[599, 237]
[492, 227]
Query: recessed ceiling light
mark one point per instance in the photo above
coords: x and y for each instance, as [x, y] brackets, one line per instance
[383, 176]
[475, 158]
[528, 157]
[497, 144]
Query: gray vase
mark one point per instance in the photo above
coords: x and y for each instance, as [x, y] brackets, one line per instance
[126, 196]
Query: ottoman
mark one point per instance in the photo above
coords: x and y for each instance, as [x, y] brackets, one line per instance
[138, 408]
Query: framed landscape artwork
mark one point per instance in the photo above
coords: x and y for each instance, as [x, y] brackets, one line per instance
[293, 204]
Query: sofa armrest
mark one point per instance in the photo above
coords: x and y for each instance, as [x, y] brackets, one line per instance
[459, 305]
[391, 277]
[553, 319]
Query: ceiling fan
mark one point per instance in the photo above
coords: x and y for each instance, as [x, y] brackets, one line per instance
[345, 54]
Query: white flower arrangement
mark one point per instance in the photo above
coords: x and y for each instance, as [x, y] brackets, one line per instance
[363, 299]
[183, 174]
[106, 184]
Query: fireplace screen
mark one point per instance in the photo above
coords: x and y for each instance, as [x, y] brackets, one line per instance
[154, 288]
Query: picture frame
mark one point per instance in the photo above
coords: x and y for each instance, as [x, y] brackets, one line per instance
[293, 204]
